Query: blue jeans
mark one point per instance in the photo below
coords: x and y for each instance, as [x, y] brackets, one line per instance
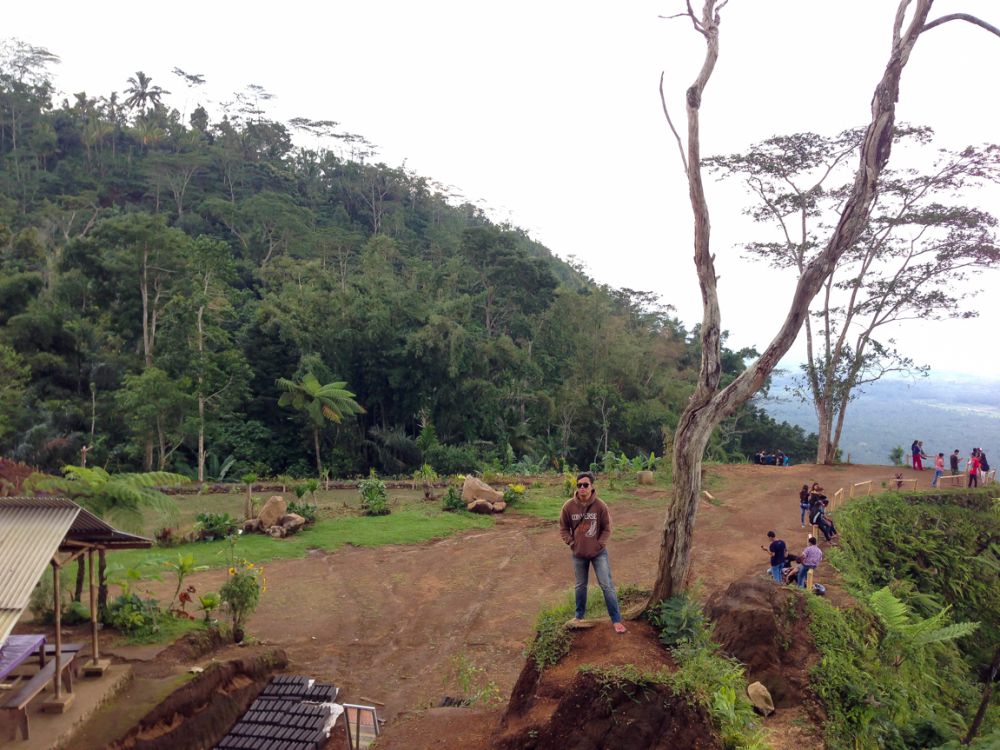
[937, 475]
[776, 572]
[803, 572]
[802, 516]
[602, 569]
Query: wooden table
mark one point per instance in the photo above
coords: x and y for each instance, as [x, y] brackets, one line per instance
[17, 649]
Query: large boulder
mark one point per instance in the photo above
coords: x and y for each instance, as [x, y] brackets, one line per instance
[477, 489]
[292, 523]
[760, 698]
[273, 511]
[479, 506]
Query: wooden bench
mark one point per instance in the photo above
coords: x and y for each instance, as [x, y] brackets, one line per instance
[69, 651]
[16, 706]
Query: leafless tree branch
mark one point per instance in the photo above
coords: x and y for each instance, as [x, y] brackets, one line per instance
[666, 113]
[962, 17]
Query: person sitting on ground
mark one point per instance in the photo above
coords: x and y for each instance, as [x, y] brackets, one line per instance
[803, 504]
[812, 556]
[790, 571]
[777, 550]
[817, 517]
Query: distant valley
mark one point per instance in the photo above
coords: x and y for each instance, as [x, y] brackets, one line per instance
[946, 411]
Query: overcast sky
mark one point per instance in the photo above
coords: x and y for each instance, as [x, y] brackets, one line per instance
[548, 112]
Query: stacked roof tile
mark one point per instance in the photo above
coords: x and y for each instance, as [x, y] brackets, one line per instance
[291, 713]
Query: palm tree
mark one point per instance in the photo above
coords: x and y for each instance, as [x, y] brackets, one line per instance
[320, 403]
[141, 94]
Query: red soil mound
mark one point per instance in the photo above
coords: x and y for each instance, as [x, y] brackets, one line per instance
[566, 709]
[766, 627]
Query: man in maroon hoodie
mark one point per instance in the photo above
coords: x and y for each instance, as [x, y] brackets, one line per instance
[585, 525]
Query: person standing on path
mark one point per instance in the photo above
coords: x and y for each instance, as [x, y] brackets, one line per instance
[938, 469]
[803, 504]
[812, 556]
[777, 550]
[916, 452]
[585, 525]
[954, 460]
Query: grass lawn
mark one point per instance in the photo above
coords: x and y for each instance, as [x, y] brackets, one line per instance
[409, 524]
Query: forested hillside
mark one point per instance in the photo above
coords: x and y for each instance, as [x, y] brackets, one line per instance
[162, 273]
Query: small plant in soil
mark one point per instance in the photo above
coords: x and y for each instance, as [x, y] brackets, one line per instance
[469, 681]
[452, 500]
[374, 499]
[208, 603]
[242, 591]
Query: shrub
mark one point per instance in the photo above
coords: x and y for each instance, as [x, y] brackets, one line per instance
[513, 494]
[679, 620]
[452, 500]
[452, 459]
[241, 592]
[306, 510]
[374, 500]
[134, 616]
[215, 525]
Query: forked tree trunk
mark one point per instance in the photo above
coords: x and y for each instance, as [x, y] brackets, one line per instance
[708, 405]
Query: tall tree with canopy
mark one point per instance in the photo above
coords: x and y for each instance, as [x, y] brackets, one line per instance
[711, 403]
[911, 262]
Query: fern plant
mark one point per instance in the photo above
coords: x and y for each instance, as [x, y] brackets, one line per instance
[119, 497]
[904, 633]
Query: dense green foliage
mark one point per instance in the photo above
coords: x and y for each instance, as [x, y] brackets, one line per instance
[168, 282]
[895, 672]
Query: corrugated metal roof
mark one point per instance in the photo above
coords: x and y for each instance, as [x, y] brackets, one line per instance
[32, 529]
[30, 534]
[86, 526]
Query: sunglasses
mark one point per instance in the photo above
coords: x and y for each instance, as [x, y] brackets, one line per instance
[583, 484]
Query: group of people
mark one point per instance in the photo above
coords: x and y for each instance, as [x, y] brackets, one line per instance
[813, 505]
[774, 458]
[976, 466]
[786, 567]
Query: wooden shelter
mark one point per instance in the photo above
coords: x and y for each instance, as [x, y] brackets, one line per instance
[54, 531]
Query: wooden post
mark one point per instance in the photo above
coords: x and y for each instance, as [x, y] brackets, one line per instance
[59, 702]
[96, 666]
[809, 579]
[57, 682]
[95, 648]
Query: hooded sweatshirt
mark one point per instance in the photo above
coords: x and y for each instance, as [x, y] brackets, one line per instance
[585, 527]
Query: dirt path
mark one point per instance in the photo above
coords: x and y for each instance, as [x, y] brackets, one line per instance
[387, 624]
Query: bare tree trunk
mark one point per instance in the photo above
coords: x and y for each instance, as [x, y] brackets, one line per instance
[985, 702]
[823, 430]
[102, 577]
[319, 464]
[708, 405]
[80, 575]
